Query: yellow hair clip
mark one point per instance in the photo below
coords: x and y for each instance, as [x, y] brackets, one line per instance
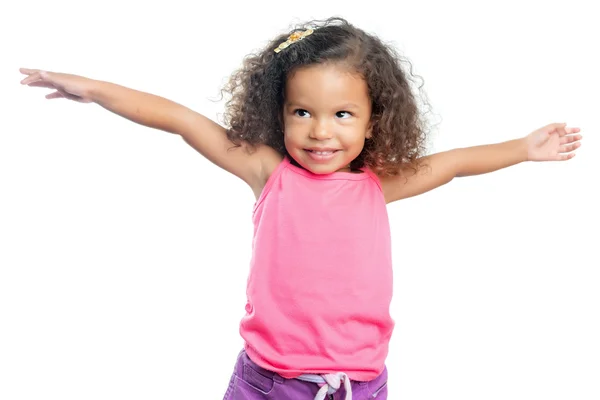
[294, 37]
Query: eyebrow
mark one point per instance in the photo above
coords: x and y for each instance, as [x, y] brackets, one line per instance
[341, 107]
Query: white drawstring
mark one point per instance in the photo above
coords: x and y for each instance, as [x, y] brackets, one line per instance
[331, 384]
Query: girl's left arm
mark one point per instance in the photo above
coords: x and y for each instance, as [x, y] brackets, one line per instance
[554, 142]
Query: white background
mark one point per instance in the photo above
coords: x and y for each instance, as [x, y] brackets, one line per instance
[124, 254]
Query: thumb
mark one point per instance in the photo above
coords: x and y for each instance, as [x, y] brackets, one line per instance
[555, 126]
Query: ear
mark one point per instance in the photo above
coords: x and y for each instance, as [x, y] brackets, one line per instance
[369, 133]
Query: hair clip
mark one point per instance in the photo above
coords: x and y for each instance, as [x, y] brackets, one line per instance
[294, 37]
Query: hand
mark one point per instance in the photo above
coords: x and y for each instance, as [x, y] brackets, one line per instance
[72, 87]
[554, 142]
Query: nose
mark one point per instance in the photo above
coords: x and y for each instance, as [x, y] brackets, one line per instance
[320, 131]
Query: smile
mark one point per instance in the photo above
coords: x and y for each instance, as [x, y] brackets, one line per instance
[321, 155]
[322, 152]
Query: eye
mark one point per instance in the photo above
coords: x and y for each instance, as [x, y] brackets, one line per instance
[349, 114]
[301, 113]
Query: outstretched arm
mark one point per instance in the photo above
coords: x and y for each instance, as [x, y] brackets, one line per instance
[554, 142]
[204, 135]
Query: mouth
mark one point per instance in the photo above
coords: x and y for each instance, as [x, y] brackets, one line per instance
[321, 154]
[321, 151]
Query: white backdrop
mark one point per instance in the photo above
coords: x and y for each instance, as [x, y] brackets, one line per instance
[124, 254]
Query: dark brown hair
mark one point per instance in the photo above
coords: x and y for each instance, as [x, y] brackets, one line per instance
[253, 114]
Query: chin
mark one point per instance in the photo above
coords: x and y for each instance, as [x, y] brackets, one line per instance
[321, 164]
[322, 169]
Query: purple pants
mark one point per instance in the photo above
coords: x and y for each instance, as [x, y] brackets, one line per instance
[251, 382]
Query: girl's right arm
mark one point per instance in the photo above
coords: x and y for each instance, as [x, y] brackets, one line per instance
[204, 135]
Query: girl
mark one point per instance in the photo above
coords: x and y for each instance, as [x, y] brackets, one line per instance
[323, 126]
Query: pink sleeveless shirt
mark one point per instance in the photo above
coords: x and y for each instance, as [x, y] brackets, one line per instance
[320, 282]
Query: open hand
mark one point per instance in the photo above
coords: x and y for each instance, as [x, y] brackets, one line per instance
[554, 142]
[72, 87]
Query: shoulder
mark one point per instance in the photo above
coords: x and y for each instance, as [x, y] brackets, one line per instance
[392, 185]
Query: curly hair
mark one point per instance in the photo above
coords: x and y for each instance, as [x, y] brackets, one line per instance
[253, 114]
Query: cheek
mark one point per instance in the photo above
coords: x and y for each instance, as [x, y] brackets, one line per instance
[291, 140]
[293, 133]
[353, 138]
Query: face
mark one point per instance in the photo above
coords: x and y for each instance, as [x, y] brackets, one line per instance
[326, 117]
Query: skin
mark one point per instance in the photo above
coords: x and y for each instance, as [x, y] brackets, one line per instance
[317, 114]
[326, 108]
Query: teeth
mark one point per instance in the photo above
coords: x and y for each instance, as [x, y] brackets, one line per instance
[322, 153]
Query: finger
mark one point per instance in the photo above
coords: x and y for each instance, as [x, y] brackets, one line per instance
[69, 96]
[570, 139]
[567, 131]
[562, 129]
[42, 84]
[55, 95]
[31, 78]
[556, 126]
[28, 71]
[569, 147]
[564, 157]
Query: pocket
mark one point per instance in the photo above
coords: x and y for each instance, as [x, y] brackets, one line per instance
[378, 386]
[252, 385]
[380, 392]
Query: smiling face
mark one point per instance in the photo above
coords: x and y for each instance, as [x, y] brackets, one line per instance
[326, 116]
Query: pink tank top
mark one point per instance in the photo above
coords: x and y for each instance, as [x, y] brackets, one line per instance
[320, 282]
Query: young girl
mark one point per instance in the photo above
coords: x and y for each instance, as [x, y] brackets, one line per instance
[324, 127]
